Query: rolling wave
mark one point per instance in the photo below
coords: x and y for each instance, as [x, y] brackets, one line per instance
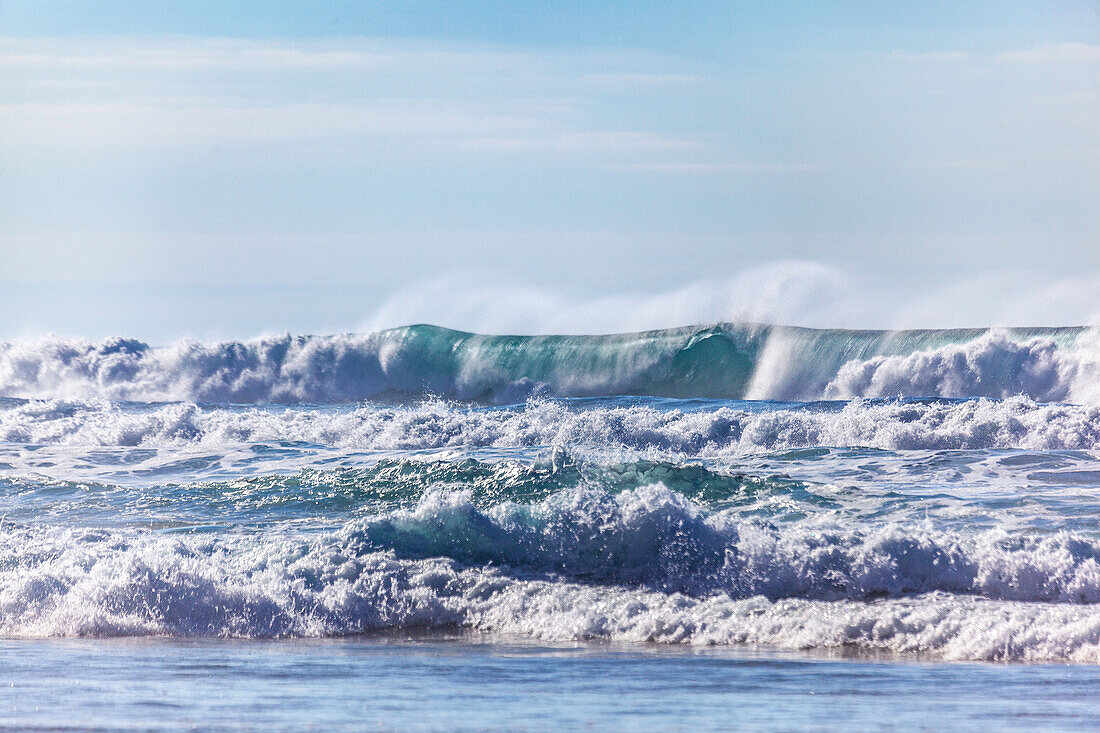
[723, 361]
[604, 429]
[647, 564]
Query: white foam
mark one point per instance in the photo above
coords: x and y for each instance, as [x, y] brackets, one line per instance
[99, 583]
[991, 366]
[940, 625]
[1016, 422]
[722, 361]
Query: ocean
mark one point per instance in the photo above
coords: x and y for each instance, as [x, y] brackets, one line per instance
[732, 525]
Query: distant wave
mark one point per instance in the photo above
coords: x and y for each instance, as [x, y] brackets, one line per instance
[602, 429]
[721, 361]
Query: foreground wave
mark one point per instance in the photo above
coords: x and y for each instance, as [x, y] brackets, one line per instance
[723, 361]
[644, 564]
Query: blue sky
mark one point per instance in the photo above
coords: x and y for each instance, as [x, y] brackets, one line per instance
[223, 169]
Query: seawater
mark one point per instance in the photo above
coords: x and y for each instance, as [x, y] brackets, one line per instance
[451, 682]
[326, 530]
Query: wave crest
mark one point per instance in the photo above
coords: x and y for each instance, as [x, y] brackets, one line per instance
[657, 538]
[644, 565]
[634, 430]
[991, 366]
[722, 361]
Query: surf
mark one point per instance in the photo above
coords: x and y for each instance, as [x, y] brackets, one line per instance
[722, 361]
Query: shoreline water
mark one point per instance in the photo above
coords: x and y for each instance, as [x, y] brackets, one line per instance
[433, 683]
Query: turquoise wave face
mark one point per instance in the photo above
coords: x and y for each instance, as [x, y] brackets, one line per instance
[323, 496]
[725, 361]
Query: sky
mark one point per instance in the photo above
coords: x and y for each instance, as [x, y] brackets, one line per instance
[224, 169]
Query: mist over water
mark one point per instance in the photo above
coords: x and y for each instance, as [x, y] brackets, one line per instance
[799, 293]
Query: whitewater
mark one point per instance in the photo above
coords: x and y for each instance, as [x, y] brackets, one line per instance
[930, 496]
[909, 492]
[731, 361]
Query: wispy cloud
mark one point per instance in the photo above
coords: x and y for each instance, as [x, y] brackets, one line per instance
[1053, 53]
[126, 92]
[954, 164]
[701, 167]
[931, 56]
[184, 53]
[204, 55]
[580, 142]
[621, 79]
[190, 120]
[1050, 53]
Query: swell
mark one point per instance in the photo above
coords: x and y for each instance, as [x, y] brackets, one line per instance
[647, 564]
[314, 494]
[722, 361]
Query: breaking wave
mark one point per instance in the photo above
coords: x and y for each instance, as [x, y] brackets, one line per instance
[722, 361]
[647, 564]
[991, 366]
[605, 428]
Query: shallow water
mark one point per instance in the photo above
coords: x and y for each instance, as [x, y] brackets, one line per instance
[447, 682]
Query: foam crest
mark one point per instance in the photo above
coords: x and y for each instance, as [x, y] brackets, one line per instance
[416, 360]
[605, 429]
[647, 565]
[657, 538]
[991, 366]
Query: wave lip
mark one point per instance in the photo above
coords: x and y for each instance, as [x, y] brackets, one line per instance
[724, 361]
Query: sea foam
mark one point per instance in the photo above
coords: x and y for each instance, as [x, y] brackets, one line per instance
[644, 565]
[602, 429]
